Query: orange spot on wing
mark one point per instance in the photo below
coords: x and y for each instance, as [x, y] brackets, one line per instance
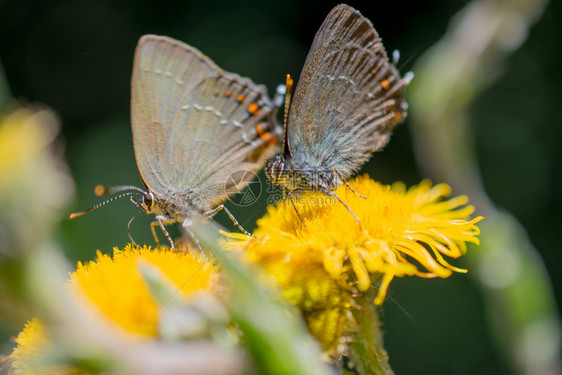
[254, 109]
[265, 135]
[228, 93]
[240, 98]
[385, 84]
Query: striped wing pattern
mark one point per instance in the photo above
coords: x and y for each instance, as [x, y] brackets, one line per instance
[348, 99]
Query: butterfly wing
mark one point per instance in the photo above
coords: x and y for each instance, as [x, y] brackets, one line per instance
[348, 99]
[194, 125]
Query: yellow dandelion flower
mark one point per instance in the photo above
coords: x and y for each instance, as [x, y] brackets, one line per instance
[322, 300]
[403, 232]
[115, 287]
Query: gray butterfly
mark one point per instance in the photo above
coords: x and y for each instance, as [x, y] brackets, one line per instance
[348, 100]
[197, 131]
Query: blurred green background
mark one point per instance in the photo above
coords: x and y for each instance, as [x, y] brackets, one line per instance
[76, 56]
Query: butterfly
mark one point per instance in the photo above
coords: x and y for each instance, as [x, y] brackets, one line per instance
[348, 100]
[199, 132]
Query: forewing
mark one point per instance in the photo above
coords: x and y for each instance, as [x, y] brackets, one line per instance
[349, 96]
[194, 124]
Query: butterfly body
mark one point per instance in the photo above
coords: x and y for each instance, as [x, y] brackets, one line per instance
[297, 175]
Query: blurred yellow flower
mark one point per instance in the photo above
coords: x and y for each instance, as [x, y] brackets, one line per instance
[33, 180]
[114, 285]
[32, 343]
[24, 134]
[321, 263]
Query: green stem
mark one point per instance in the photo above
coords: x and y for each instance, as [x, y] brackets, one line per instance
[367, 353]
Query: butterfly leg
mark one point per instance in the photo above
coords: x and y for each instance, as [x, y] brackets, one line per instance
[331, 194]
[349, 187]
[152, 228]
[160, 220]
[222, 207]
[187, 226]
[290, 195]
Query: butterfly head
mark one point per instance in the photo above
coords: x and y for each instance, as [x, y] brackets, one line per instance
[275, 170]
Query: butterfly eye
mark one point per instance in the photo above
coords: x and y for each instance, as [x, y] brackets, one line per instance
[274, 169]
[147, 201]
[279, 168]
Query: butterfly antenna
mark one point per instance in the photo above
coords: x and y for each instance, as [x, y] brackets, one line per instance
[102, 190]
[288, 97]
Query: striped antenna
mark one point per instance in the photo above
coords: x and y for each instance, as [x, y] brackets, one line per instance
[288, 96]
[102, 190]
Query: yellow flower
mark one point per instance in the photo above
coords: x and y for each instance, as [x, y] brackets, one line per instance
[115, 286]
[34, 183]
[32, 343]
[322, 262]
[322, 300]
[24, 134]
